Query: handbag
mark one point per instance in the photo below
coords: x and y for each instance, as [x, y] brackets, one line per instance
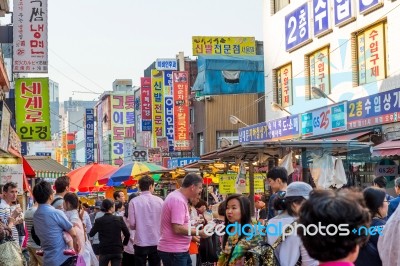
[11, 254]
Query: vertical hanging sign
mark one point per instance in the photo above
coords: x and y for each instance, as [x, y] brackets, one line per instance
[157, 94]
[89, 136]
[145, 97]
[181, 111]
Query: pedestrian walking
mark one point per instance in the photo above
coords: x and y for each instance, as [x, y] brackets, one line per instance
[128, 257]
[394, 203]
[110, 228]
[34, 259]
[62, 187]
[277, 179]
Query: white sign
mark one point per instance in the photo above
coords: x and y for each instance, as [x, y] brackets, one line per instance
[12, 173]
[166, 64]
[386, 170]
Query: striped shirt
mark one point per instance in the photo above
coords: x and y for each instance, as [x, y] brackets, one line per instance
[5, 213]
[29, 224]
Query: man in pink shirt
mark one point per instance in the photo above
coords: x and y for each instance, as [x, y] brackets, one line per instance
[175, 234]
[144, 216]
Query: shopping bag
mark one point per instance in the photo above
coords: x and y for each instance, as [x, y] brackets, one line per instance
[11, 254]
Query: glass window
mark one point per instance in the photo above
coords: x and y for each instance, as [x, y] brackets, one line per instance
[284, 93]
[319, 70]
[279, 4]
[227, 138]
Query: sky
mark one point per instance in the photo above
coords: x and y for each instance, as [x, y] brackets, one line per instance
[94, 42]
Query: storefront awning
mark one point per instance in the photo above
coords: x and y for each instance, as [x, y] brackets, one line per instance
[46, 167]
[387, 148]
[28, 170]
[351, 136]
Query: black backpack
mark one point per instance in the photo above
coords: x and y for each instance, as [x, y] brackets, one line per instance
[34, 236]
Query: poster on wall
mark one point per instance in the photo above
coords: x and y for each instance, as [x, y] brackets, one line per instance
[12, 173]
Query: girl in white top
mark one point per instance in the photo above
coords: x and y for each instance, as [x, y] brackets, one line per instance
[291, 250]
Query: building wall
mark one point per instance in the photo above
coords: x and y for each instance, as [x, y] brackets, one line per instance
[341, 68]
[55, 120]
[80, 148]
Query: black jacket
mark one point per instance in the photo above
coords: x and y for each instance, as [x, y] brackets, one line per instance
[109, 228]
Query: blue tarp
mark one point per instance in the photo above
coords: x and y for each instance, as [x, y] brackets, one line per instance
[211, 81]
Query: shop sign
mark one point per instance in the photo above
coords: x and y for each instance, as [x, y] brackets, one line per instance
[179, 162]
[321, 16]
[284, 84]
[227, 183]
[386, 170]
[166, 64]
[169, 121]
[376, 109]
[324, 120]
[89, 135]
[181, 111]
[214, 45]
[297, 28]
[157, 95]
[14, 143]
[30, 36]
[367, 5]
[48, 154]
[278, 129]
[167, 82]
[154, 155]
[343, 12]
[32, 103]
[5, 118]
[145, 99]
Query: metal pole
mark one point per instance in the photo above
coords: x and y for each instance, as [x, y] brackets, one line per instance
[251, 185]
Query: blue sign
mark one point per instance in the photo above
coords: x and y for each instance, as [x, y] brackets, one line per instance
[166, 64]
[179, 162]
[24, 148]
[321, 18]
[343, 11]
[324, 120]
[367, 5]
[146, 125]
[168, 78]
[376, 109]
[89, 136]
[43, 153]
[278, 129]
[296, 27]
[169, 121]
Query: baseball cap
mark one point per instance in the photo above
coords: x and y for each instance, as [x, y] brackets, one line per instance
[257, 198]
[97, 205]
[298, 189]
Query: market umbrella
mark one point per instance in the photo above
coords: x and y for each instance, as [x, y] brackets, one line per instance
[84, 179]
[128, 171]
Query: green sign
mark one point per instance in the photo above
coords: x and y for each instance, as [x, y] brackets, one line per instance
[32, 109]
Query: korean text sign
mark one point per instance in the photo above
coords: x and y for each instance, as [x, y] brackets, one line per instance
[33, 109]
[5, 119]
[166, 64]
[122, 124]
[181, 111]
[377, 109]
[145, 97]
[30, 36]
[214, 45]
[297, 28]
[278, 129]
[367, 5]
[343, 12]
[324, 120]
[321, 16]
[89, 135]
[227, 183]
[157, 95]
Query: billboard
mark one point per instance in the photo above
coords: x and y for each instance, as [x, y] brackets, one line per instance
[32, 103]
[30, 37]
[220, 45]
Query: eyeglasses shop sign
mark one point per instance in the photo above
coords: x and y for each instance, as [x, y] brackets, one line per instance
[324, 120]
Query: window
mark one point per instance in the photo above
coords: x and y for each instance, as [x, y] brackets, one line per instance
[283, 86]
[227, 138]
[279, 4]
[191, 115]
[200, 143]
[319, 74]
[371, 54]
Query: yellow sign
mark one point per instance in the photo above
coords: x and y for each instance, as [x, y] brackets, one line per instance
[371, 54]
[214, 45]
[157, 96]
[284, 82]
[319, 70]
[227, 183]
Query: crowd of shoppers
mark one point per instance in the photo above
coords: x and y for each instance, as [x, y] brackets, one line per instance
[145, 230]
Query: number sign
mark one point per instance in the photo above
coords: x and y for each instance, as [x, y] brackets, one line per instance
[297, 28]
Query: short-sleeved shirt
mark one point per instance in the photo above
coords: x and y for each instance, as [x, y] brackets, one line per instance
[29, 224]
[50, 224]
[174, 211]
[5, 213]
[58, 202]
[393, 205]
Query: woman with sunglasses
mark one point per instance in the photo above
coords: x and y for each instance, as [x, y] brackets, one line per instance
[291, 251]
[241, 237]
[375, 199]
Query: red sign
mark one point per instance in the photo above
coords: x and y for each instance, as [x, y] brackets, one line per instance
[181, 111]
[145, 98]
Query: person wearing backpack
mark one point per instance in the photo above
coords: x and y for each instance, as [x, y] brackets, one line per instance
[238, 242]
[62, 187]
[289, 251]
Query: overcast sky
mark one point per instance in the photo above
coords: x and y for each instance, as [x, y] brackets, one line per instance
[94, 42]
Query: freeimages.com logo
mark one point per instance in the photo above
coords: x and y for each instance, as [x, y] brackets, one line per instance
[286, 230]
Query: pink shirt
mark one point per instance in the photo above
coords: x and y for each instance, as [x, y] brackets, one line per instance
[174, 211]
[144, 217]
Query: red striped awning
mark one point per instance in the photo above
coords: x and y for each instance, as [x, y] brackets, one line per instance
[386, 149]
[28, 170]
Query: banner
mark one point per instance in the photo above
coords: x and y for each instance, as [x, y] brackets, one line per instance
[215, 45]
[30, 36]
[145, 97]
[5, 120]
[32, 103]
[157, 95]
[227, 183]
[12, 173]
[89, 136]
[122, 125]
[181, 111]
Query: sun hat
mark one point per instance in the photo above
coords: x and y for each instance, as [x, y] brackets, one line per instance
[298, 189]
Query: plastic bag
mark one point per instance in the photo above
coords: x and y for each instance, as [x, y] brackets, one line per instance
[287, 163]
[11, 254]
[339, 179]
[322, 170]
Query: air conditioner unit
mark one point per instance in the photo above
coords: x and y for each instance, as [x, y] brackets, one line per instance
[208, 98]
